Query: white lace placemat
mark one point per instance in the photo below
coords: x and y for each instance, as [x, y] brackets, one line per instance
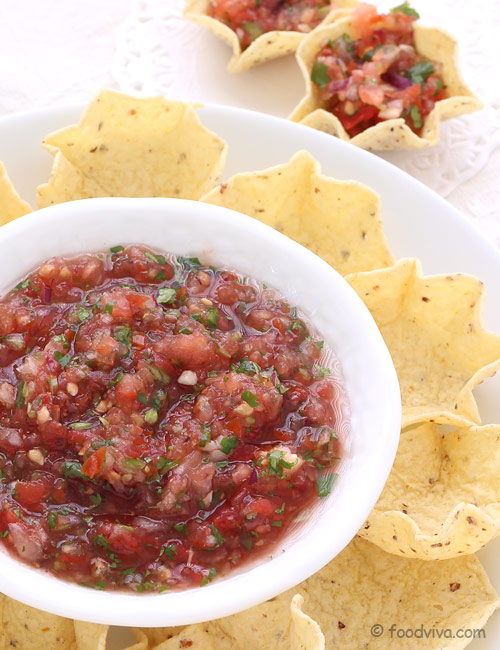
[55, 52]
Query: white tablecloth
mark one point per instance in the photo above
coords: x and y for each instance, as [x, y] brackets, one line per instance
[62, 51]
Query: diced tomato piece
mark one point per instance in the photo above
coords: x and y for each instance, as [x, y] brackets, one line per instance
[93, 465]
[30, 493]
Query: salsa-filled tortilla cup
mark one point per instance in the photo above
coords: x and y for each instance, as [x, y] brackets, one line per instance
[381, 82]
[259, 30]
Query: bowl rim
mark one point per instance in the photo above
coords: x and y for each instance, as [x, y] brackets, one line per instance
[35, 588]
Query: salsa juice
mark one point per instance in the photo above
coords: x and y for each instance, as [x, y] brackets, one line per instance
[161, 421]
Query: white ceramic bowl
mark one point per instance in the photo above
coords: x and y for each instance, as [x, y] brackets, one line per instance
[226, 239]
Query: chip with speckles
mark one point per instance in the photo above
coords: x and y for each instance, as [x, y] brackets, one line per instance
[338, 220]
[354, 602]
[264, 45]
[11, 204]
[433, 328]
[125, 146]
[442, 498]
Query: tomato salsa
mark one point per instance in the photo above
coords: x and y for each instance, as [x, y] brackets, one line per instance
[161, 421]
[249, 19]
[380, 75]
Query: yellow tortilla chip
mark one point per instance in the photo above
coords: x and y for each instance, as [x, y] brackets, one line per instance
[364, 591]
[125, 146]
[433, 328]
[26, 628]
[11, 204]
[90, 636]
[273, 625]
[338, 220]
[442, 498]
[266, 47]
[354, 601]
[431, 42]
[305, 634]
[156, 635]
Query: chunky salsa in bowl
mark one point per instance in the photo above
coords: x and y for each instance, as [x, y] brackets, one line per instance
[160, 420]
[170, 424]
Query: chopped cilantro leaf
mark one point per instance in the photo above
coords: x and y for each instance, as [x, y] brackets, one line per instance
[164, 464]
[416, 117]
[100, 540]
[116, 249]
[248, 397]
[218, 537]
[212, 316]
[324, 484]
[406, 9]
[319, 371]
[142, 398]
[228, 444]
[123, 334]
[319, 74]
[62, 359]
[166, 296]
[252, 28]
[21, 390]
[246, 366]
[181, 528]
[72, 469]
[60, 338]
[169, 550]
[158, 259]
[420, 71]
[82, 314]
[108, 308]
[114, 381]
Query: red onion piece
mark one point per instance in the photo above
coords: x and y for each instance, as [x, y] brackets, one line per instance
[47, 294]
[253, 477]
[396, 80]
[336, 86]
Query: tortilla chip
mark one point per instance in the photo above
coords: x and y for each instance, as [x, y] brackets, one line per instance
[364, 587]
[305, 634]
[273, 625]
[338, 220]
[142, 641]
[156, 635]
[11, 204]
[26, 628]
[433, 43]
[434, 331]
[266, 47]
[442, 498]
[126, 146]
[360, 589]
[90, 636]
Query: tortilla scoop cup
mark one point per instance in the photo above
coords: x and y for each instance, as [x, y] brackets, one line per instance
[394, 134]
[267, 46]
[11, 204]
[442, 498]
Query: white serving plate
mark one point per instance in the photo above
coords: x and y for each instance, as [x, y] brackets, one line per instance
[418, 222]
